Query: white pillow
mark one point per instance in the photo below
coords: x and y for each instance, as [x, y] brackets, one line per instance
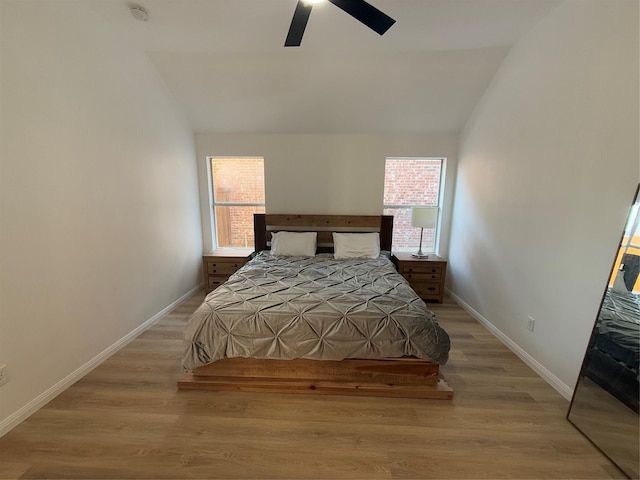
[294, 244]
[356, 245]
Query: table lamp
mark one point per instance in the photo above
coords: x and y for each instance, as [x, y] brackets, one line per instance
[423, 217]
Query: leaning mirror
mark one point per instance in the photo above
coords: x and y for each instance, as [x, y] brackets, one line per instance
[605, 401]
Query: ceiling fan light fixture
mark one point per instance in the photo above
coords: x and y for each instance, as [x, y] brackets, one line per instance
[139, 13]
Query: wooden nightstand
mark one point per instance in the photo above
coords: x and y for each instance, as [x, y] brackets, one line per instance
[425, 275]
[218, 265]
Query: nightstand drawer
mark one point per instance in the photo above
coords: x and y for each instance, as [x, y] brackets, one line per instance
[419, 268]
[222, 268]
[215, 281]
[427, 290]
[422, 277]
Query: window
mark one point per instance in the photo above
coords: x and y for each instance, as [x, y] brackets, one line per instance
[410, 182]
[237, 192]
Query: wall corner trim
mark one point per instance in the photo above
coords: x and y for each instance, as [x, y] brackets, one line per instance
[557, 384]
[34, 405]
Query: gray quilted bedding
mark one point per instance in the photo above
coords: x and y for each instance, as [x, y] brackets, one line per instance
[316, 308]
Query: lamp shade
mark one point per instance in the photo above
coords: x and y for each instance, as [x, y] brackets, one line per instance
[424, 217]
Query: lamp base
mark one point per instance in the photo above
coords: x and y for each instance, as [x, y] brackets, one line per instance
[419, 255]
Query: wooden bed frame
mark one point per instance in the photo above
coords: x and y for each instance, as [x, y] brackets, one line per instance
[391, 377]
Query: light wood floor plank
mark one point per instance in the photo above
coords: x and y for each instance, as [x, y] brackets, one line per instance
[126, 419]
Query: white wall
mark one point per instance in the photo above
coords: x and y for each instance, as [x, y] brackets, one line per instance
[99, 206]
[326, 174]
[547, 170]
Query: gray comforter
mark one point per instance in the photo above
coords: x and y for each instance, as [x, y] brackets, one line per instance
[316, 308]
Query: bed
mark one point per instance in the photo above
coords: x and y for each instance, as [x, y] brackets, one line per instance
[614, 353]
[317, 323]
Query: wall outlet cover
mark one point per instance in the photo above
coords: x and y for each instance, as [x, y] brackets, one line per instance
[531, 324]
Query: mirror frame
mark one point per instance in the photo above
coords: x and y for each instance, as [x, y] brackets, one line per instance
[583, 368]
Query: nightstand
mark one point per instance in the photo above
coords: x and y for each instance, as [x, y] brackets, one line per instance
[218, 265]
[425, 275]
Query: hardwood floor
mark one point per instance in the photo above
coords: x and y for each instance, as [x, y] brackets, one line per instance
[126, 419]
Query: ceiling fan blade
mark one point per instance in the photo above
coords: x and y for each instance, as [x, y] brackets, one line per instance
[367, 14]
[298, 24]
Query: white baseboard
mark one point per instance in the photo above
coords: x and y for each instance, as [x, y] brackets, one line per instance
[561, 387]
[34, 405]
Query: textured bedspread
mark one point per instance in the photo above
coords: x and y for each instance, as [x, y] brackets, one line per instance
[316, 308]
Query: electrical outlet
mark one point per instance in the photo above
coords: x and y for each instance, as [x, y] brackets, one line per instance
[531, 324]
[4, 377]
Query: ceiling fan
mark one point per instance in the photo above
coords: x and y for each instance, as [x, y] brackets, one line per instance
[358, 9]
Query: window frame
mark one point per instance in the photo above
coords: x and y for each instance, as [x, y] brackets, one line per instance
[439, 204]
[213, 203]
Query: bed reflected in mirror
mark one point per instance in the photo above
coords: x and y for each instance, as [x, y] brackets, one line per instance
[605, 401]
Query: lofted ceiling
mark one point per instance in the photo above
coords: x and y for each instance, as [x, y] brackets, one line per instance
[225, 63]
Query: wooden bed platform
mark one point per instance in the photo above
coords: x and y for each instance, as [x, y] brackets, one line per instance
[392, 377]
[401, 377]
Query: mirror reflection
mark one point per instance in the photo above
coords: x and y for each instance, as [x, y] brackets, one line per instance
[605, 401]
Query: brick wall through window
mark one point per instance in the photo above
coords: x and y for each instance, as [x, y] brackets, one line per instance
[236, 181]
[411, 182]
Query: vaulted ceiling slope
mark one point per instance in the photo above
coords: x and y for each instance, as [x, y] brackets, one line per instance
[225, 63]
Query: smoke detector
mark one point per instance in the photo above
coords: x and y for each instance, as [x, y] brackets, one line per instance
[139, 13]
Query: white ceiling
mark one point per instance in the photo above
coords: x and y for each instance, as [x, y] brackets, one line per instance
[225, 64]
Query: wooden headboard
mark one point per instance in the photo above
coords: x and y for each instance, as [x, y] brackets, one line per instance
[325, 225]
